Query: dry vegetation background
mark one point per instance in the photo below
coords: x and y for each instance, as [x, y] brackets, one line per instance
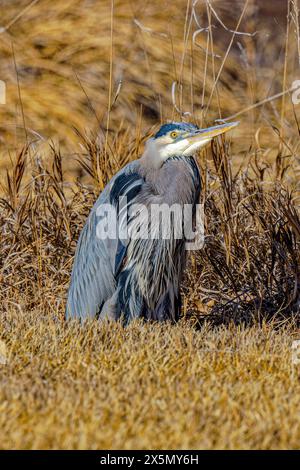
[87, 81]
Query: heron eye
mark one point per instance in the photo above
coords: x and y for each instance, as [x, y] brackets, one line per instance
[174, 134]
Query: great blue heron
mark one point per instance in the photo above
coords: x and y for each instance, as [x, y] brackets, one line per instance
[139, 277]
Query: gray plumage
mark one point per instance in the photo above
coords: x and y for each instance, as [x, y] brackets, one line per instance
[140, 277]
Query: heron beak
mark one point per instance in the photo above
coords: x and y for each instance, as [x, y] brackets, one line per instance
[202, 137]
[211, 132]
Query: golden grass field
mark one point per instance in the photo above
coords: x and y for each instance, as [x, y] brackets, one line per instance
[147, 387]
[86, 82]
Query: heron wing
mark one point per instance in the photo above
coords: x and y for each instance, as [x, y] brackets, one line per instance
[98, 260]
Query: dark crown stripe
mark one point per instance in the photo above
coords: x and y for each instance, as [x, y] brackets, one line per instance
[173, 126]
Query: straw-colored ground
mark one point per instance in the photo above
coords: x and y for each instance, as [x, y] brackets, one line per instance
[147, 386]
[85, 84]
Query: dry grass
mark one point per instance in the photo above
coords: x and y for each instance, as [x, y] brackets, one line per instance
[63, 58]
[223, 377]
[146, 386]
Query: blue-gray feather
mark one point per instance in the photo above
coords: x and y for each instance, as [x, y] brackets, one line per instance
[134, 278]
[93, 279]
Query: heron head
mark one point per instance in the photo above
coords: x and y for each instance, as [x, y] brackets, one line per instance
[177, 139]
[184, 139]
